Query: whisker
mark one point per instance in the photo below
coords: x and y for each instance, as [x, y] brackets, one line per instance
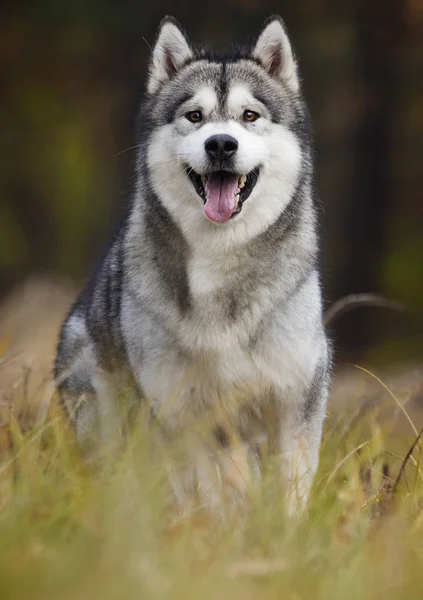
[127, 149]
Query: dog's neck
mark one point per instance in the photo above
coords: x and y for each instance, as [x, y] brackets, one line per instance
[204, 238]
[193, 236]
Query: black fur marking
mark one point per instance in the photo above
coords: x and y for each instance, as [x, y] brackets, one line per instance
[103, 310]
[272, 105]
[222, 90]
[233, 306]
[170, 252]
[77, 386]
[233, 55]
[314, 392]
[174, 102]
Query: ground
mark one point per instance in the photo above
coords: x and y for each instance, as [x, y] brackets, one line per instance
[70, 531]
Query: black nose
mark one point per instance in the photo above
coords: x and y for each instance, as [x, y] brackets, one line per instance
[221, 147]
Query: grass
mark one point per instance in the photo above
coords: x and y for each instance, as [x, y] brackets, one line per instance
[69, 531]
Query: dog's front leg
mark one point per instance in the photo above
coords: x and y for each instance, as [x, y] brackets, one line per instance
[294, 436]
[214, 478]
[299, 459]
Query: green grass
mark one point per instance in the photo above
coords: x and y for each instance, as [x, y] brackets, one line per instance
[70, 531]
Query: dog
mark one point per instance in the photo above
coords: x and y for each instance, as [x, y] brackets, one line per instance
[207, 305]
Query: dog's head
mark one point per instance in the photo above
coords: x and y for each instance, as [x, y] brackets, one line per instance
[227, 132]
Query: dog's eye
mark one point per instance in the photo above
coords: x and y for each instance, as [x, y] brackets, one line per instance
[194, 116]
[250, 116]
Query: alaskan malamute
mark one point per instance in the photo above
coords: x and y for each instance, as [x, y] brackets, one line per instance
[207, 303]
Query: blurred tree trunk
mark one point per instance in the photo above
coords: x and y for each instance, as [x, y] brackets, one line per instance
[380, 33]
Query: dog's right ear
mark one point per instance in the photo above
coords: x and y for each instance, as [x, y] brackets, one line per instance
[170, 52]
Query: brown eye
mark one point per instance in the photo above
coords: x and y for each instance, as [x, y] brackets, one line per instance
[250, 116]
[194, 116]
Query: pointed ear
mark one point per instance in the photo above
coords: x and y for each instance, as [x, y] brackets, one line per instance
[170, 52]
[273, 51]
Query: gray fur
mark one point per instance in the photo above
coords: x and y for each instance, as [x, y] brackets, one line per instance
[217, 325]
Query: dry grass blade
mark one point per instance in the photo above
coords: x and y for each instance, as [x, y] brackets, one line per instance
[344, 460]
[405, 461]
[400, 406]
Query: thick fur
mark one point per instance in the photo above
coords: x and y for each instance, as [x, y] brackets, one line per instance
[217, 325]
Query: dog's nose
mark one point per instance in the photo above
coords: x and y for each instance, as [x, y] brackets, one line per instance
[221, 146]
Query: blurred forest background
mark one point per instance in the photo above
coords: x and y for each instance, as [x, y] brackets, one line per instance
[71, 77]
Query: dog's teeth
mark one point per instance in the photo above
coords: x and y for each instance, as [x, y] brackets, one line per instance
[204, 179]
[242, 180]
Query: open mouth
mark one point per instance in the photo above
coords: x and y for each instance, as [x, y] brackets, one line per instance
[222, 192]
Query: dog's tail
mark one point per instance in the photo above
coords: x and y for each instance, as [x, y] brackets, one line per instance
[352, 301]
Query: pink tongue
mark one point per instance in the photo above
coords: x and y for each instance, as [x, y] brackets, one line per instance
[220, 196]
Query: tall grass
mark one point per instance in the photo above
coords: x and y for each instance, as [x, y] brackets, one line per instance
[68, 530]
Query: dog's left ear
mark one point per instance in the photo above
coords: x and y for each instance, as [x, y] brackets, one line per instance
[274, 52]
[170, 52]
